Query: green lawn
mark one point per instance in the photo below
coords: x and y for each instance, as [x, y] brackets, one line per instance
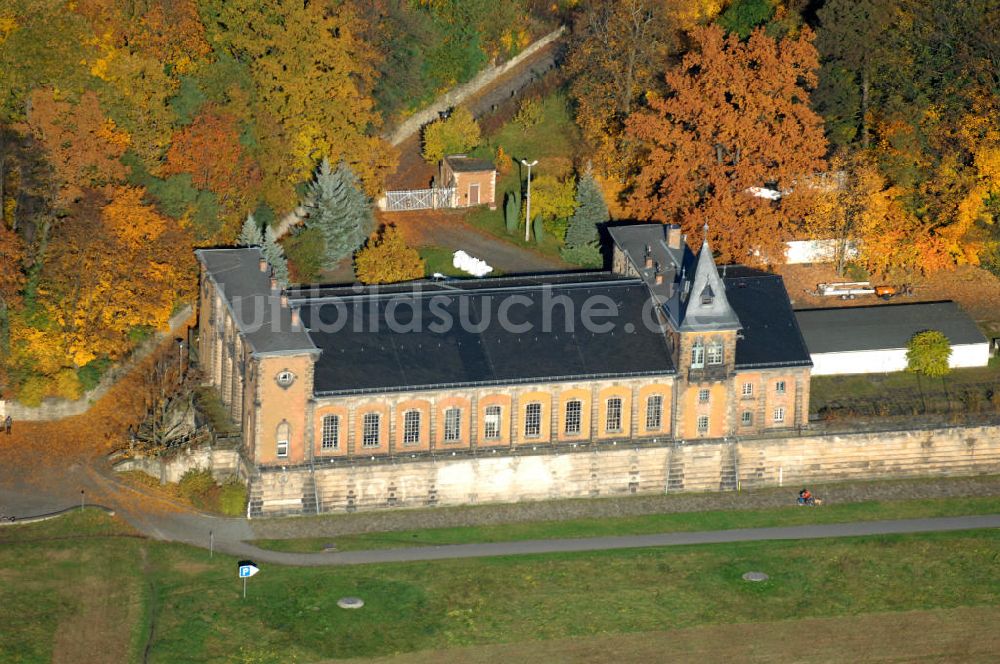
[439, 259]
[554, 142]
[647, 524]
[904, 393]
[105, 596]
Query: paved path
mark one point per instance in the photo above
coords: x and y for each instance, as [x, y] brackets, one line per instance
[184, 528]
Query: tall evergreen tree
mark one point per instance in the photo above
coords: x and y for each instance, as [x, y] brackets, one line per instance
[275, 255]
[250, 235]
[591, 211]
[340, 210]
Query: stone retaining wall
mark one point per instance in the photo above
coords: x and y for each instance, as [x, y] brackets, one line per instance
[460, 93]
[223, 463]
[672, 467]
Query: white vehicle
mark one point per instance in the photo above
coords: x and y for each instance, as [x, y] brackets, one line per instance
[846, 290]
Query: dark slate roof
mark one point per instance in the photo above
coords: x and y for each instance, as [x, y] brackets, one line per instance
[884, 326]
[371, 357]
[463, 164]
[769, 334]
[265, 324]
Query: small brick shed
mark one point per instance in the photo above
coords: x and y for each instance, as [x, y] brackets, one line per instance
[474, 180]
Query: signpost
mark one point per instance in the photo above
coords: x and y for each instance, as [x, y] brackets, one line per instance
[246, 570]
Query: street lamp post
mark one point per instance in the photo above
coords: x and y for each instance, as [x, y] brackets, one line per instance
[180, 360]
[527, 214]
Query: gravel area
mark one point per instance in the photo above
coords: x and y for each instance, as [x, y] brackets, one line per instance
[443, 517]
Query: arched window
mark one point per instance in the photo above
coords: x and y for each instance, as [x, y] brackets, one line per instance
[411, 427]
[331, 432]
[284, 433]
[697, 354]
[715, 352]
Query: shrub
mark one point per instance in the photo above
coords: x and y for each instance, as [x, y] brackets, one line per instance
[305, 252]
[585, 256]
[456, 134]
[387, 259]
[67, 385]
[233, 498]
[855, 272]
[196, 483]
[529, 114]
[91, 373]
[34, 390]
[512, 211]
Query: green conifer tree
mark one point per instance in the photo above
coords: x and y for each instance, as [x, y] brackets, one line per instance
[591, 212]
[275, 255]
[250, 235]
[340, 210]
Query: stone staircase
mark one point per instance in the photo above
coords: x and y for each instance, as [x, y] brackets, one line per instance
[729, 476]
[309, 496]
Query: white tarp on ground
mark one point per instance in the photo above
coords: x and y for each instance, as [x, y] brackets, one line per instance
[892, 359]
[817, 251]
[474, 266]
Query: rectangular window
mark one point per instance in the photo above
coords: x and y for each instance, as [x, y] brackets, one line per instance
[779, 387]
[411, 427]
[573, 410]
[746, 419]
[654, 412]
[748, 389]
[779, 414]
[613, 422]
[331, 432]
[491, 423]
[533, 420]
[370, 430]
[697, 355]
[715, 353]
[703, 424]
[452, 425]
[703, 396]
[282, 448]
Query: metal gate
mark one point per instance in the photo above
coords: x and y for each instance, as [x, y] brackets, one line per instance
[419, 199]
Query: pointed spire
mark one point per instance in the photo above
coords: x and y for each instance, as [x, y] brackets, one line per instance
[708, 308]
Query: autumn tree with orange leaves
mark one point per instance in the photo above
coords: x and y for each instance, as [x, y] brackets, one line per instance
[83, 145]
[736, 116]
[210, 150]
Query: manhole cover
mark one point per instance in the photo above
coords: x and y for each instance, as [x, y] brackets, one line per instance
[350, 602]
[755, 576]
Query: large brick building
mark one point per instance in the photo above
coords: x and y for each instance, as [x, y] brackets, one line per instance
[663, 348]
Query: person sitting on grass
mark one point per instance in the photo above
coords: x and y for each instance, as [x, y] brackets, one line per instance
[805, 497]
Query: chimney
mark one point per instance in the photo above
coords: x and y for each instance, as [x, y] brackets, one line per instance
[658, 279]
[674, 236]
[296, 321]
[649, 257]
[284, 299]
[262, 264]
[274, 284]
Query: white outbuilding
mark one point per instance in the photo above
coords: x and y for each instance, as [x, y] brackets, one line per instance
[874, 339]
